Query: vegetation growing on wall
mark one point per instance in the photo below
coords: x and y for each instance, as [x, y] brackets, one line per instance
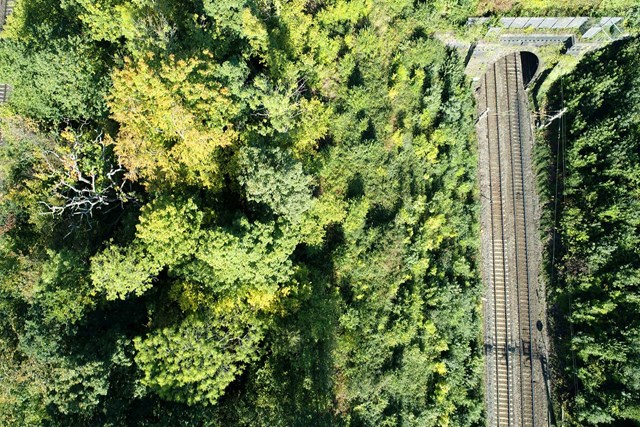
[595, 264]
[236, 213]
[627, 8]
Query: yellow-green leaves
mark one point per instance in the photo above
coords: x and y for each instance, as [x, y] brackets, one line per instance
[120, 272]
[168, 231]
[314, 122]
[137, 24]
[173, 122]
[110, 20]
[254, 257]
[255, 32]
[195, 360]
[233, 261]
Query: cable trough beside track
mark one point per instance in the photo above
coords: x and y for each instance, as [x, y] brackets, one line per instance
[509, 334]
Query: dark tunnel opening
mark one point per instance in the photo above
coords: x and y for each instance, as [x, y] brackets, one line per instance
[530, 64]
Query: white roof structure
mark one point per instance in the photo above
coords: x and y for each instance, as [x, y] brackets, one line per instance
[519, 23]
[556, 23]
[548, 23]
[578, 22]
[589, 29]
[562, 23]
[608, 21]
[506, 22]
[535, 22]
[591, 32]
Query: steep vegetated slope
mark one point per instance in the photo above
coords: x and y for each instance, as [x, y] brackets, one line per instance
[595, 279]
[627, 8]
[236, 213]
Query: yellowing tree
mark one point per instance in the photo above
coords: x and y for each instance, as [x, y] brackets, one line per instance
[173, 121]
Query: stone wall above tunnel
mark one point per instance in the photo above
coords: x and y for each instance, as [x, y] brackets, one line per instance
[529, 66]
[484, 54]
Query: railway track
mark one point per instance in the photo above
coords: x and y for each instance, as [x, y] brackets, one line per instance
[512, 393]
[520, 249]
[498, 276]
[6, 8]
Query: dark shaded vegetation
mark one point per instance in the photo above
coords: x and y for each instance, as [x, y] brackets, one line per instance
[594, 260]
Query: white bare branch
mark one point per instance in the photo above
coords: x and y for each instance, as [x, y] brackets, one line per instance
[82, 192]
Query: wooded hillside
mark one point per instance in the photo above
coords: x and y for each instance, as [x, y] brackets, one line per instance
[236, 213]
[595, 266]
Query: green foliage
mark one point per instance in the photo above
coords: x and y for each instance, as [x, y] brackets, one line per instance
[168, 229]
[196, 360]
[64, 291]
[265, 248]
[597, 263]
[79, 389]
[120, 272]
[274, 179]
[68, 76]
[285, 230]
[558, 8]
[65, 81]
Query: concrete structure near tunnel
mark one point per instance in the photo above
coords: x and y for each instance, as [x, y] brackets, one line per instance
[569, 35]
[485, 54]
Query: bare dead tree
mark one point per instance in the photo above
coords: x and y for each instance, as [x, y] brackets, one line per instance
[81, 191]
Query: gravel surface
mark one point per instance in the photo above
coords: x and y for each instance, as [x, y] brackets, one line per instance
[513, 127]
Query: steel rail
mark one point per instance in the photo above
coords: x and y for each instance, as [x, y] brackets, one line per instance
[526, 246]
[520, 244]
[517, 266]
[504, 116]
[501, 309]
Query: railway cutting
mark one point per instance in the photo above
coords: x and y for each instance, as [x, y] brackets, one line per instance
[515, 348]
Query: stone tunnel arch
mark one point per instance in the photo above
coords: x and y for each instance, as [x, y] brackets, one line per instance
[531, 65]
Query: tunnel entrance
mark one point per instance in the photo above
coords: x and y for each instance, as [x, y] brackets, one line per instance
[514, 379]
[530, 63]
[527, 65]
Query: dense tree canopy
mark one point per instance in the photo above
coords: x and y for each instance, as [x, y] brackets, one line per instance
[595, 288]
[236, 213]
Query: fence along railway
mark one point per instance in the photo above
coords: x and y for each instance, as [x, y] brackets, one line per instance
[516, 393]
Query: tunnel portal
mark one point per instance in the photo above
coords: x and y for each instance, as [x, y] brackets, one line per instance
[530, 63]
